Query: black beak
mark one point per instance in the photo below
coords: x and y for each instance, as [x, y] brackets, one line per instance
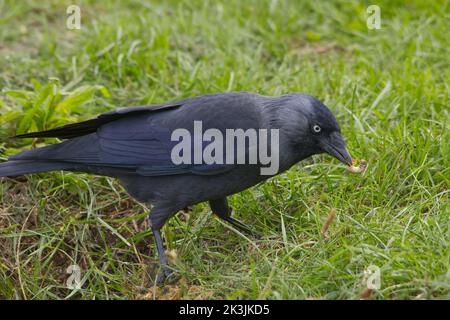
[334, 145]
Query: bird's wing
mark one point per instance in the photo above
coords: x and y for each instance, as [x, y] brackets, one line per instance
[140, 141]
[145, 142]
[89, 126]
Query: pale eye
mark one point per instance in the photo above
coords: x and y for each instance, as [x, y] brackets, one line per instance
[317, 129]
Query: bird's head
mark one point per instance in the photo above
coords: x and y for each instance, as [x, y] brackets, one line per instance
[311, 124]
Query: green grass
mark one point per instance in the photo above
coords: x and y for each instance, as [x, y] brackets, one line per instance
[388, 88]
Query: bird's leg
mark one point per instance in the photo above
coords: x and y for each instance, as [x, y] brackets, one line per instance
[223, 211]
[158, 217]
[165, 270]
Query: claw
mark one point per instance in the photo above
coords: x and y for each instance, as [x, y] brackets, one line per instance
[163, 275]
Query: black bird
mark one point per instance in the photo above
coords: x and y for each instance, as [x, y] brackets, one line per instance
[134, 145]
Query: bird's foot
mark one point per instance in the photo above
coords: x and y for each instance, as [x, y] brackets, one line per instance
[256, 235]
[163, 276]
[243, 228]
[252, 234]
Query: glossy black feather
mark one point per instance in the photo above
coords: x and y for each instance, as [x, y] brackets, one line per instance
[90, 126]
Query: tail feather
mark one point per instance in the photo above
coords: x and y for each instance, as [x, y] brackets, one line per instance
[20, 167]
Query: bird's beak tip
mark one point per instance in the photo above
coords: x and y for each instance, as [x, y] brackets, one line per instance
[349, 162]
[344, 157]
[337, 149]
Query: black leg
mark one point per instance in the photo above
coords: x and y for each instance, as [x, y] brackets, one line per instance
[223, 211]
[158, 217]
[165, 270]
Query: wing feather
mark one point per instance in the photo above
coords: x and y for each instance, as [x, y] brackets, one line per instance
[90, 126]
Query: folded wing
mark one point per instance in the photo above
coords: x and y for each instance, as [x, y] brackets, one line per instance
[138, 139]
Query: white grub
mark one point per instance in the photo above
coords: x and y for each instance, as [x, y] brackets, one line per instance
[358, 168]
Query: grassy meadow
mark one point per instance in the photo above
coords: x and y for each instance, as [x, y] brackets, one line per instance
[388, 87]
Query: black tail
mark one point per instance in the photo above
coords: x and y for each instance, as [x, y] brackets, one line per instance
[20, 167]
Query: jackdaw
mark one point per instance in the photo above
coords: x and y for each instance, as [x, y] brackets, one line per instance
[135, 145]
